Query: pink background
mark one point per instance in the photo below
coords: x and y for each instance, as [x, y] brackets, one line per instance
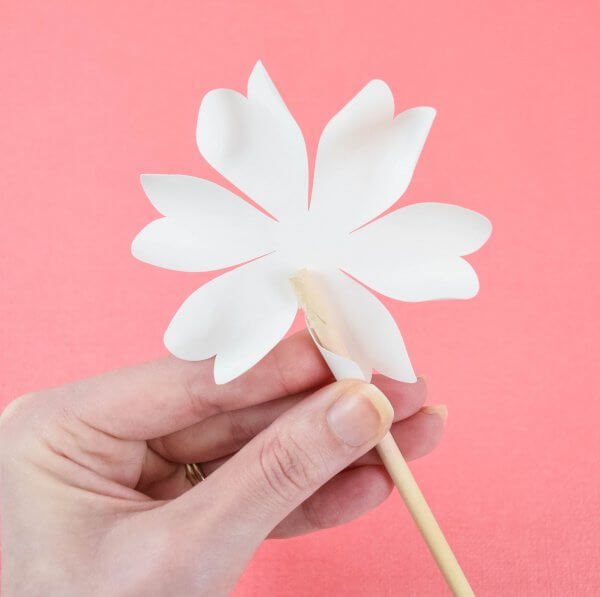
[94, 93]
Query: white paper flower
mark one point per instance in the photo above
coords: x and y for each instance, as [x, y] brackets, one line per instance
[365, 160]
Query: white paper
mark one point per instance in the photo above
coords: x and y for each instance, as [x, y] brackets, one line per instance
[414, 253]
[206, 226]
[365, 160]
[238, 316]
[366, 157]
[255, 143]
[341, 367]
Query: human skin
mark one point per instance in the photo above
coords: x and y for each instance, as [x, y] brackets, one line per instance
[94, 496]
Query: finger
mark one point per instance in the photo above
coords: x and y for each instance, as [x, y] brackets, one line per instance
[161, 479]
[416, 437]
[283, 466]
[221, 434]
[406, 398]
[366, 484]
[227, 432]
[347, 496]
[160, 397]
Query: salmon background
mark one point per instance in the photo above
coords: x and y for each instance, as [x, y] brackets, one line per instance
[95, 93]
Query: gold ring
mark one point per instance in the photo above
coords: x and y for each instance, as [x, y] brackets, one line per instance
[194, 473]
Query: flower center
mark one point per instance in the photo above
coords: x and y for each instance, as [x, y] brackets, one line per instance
[306, 243]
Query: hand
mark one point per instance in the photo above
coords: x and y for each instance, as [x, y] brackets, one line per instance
[94, 493]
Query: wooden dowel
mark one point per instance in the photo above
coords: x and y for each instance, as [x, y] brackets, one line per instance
[328, 331]
[423, 516]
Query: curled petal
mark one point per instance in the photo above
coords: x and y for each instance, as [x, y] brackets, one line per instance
[206, 227]
[370, 332]
[239, 317]
[413, 253]
[256, 144]
[366, 157]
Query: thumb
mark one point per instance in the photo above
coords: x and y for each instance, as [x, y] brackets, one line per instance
[286, 463]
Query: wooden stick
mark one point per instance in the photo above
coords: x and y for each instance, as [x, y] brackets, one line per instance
[322, 321]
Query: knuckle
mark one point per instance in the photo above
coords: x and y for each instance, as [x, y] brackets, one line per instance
[31, 417]
[15, 413]
[17, 405]
[15, 425]
[287, 467]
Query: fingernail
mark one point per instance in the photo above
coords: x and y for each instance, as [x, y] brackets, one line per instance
[361, 414]
[441, 410]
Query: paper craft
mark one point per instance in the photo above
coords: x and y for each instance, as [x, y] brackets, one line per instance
[364, 163]
[324, 254]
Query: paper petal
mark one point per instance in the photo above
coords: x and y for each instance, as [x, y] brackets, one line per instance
[341, 367]
[370, 332]
[256, 144]
[412, 254]
[206, 227]
[239, 316]
[445, 278]
[366, 157]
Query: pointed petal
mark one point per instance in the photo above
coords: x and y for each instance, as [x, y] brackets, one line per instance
[239, 316]
[366, 157]
[206, 227]
[371, 334]
[413, 253]
[256, 144]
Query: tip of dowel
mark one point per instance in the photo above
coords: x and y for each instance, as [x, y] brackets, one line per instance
[299, 281]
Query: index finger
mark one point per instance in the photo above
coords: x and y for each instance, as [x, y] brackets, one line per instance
[166, 395]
